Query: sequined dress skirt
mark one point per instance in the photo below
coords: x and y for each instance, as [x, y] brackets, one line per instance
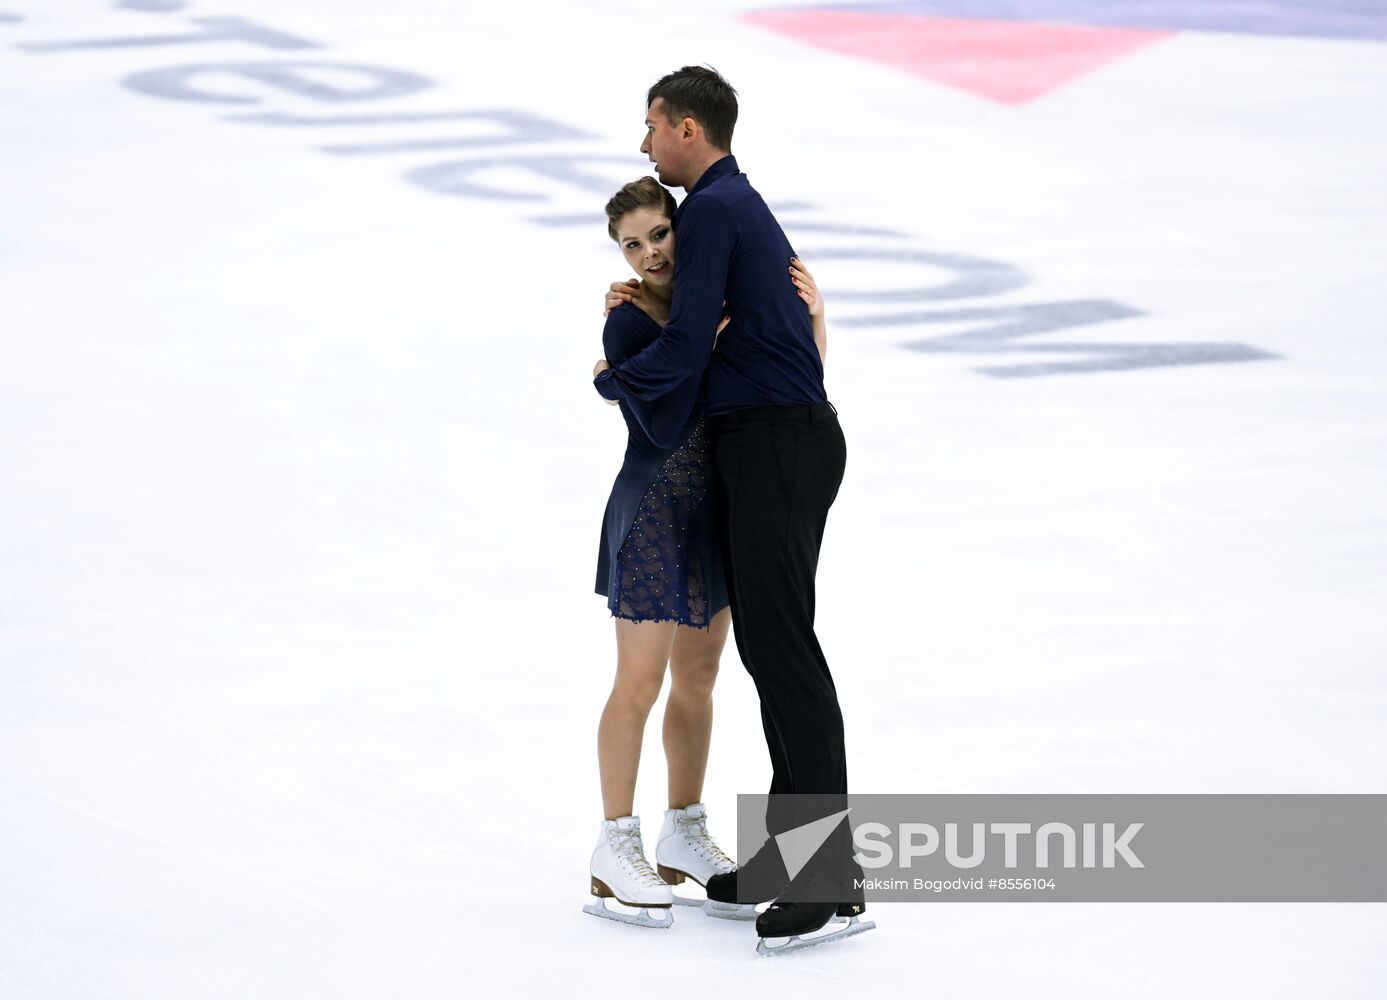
[659, 558]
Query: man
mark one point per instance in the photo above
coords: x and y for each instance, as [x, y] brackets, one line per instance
[779, 456]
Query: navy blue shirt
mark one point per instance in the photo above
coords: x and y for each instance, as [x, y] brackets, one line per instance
[729, 247]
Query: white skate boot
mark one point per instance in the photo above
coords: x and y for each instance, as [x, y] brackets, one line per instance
[685, 850]
[621, 872]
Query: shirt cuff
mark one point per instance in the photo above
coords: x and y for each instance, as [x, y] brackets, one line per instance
[607, 386]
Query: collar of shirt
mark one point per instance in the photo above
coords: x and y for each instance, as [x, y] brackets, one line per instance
[725, 167]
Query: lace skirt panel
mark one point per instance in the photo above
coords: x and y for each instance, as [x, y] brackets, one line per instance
[659, 559]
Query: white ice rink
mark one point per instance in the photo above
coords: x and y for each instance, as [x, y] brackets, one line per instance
[301, 479]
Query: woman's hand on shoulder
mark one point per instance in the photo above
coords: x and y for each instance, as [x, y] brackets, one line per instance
[621, 291]
[806, 287]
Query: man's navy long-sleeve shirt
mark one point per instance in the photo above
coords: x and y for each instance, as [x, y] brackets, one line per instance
[728, 247]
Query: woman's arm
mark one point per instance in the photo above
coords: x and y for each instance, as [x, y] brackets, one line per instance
[809, 292]
[628, 332]
[821, 337]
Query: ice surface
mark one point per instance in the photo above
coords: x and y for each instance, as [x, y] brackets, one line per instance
[301, 480]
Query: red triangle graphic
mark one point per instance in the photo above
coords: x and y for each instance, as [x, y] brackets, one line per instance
[1007, 61]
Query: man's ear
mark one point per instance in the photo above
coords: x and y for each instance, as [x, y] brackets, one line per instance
[688, 128]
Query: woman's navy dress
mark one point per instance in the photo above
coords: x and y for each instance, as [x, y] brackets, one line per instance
[659, 558]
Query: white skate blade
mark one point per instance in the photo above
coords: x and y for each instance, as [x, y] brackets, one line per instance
[704, 904]
[676, 877]
[730, 911]
[723, 911]
[799, 942]
[642, 918]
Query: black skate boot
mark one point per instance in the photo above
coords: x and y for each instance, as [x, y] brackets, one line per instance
[802, 910]
[734, 896]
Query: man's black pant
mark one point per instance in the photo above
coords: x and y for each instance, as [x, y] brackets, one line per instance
[779, 469]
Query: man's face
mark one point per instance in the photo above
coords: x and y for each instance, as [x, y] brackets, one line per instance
[663, 144]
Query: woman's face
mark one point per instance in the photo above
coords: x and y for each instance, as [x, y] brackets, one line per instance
[647, 241]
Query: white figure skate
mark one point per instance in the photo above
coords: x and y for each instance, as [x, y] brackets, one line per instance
[685, 850]
[621, 872]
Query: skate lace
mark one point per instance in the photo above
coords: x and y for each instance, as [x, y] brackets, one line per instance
[629, 850]
[697, 835]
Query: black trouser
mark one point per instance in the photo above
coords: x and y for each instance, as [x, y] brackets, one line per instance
[779, 469]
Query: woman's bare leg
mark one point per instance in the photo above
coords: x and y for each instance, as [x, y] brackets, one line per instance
[642, 650]
[688, 728]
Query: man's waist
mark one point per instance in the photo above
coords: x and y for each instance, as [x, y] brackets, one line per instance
[804, 413]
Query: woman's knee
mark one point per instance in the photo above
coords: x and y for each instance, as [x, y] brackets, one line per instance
[637, 691]
[693, 676]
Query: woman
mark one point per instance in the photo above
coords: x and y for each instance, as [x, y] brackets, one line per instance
[660, 570]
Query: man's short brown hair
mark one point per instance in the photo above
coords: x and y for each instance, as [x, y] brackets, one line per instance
[700, 93]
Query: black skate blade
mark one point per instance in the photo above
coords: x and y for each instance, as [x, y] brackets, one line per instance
[799, 942]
